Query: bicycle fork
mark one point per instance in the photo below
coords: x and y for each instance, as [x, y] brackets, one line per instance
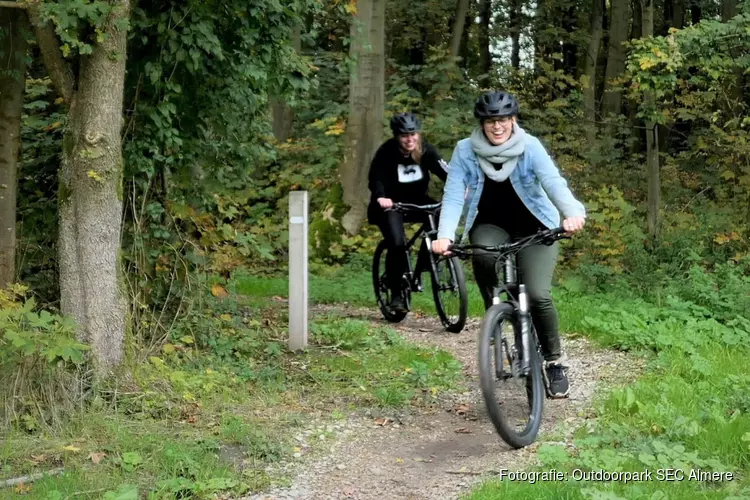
[521, 368]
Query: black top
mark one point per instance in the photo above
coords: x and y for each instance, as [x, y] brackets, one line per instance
[500, 206]
[398, 177]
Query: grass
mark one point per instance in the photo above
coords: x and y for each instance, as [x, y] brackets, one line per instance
[689, 411]
[350, 285]
[222, 399]
[224, 390]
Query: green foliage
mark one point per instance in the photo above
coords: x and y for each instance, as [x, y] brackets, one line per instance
[687, 412]
[41, 136]
[38, 350]
[80, 24]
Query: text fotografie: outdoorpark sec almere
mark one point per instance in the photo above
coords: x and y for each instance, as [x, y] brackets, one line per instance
[665, 474]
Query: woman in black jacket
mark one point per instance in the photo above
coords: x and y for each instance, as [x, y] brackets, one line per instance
[400, 172]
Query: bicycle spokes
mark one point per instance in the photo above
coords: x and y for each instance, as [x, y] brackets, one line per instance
[446, 291]
[511, 381]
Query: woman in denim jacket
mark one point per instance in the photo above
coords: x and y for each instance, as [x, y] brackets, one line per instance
[511, 188]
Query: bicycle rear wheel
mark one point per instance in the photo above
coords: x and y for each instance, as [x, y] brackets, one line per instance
[514, 401]
[380, 284]
[449, 292]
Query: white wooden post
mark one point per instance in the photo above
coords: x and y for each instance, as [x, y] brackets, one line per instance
[297, 270]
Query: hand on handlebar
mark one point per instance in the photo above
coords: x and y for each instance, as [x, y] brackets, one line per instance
[573, 224]
[441, 246]
[385, 202]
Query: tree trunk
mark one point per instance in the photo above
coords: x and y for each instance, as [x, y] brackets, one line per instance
[678, 14]
[652, 138]
[636, 30]
[570, 48]
[459, 26]
[366, 102]
[515, 33]
[618, 34]
[282, 115]
[696, 13]
[728, 11]
[463, 51]
[13, 47]
[91, 198]
[592, 56]
[540, 50]
[667, 17]
[485, 58]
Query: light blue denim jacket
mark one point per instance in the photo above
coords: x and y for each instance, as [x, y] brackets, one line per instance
[536, 179]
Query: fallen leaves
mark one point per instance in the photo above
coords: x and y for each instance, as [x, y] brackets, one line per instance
[462, 409]
[462, 430]
[96, 457]
[219, 291]
[38, 459]
[22, 488]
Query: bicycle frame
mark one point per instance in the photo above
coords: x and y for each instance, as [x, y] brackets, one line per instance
[511, 286]
[422, 232]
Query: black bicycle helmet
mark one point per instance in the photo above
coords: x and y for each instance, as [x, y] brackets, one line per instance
[493, 104]
[405, 123]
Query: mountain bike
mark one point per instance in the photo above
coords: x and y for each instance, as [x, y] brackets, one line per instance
[509, 351]
[448, 282]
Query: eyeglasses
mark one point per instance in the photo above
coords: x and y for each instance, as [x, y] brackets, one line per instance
[502, 120]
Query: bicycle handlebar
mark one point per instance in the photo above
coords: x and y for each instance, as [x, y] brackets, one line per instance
[410, 206]
[545, 236]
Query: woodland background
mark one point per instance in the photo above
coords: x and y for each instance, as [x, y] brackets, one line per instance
[147, 150]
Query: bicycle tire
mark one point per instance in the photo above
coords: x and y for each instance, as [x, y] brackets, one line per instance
[492, 319]
[457, 272]
[381, 290]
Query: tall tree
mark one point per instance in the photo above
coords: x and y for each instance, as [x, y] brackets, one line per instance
[592, 57]
[282, 115]
[366, 101]
[485, 57]
[678, 14]
[90, 194]
[728, 11]
[13, 26]
[569, 25]
[618, 34]
[515, 32]
[459, 26]
[652, 136]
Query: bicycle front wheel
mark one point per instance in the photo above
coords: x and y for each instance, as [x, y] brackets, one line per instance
[449, 292]
[513, 399]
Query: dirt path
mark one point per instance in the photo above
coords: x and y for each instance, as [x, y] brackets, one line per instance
[433, 453]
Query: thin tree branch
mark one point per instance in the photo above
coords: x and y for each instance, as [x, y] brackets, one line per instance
[58, 68]
[31, 477]
[13, 5]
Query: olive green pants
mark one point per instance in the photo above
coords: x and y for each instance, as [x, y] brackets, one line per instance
[536, 265]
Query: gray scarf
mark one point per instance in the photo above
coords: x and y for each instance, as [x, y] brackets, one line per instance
[506, 154]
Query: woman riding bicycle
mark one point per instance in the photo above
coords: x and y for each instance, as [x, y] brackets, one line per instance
[514, 189]
[400, 172]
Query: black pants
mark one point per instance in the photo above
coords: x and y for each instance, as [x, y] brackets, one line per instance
[391, 225]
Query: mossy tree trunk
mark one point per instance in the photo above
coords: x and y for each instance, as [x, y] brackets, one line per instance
[13, 25]
[364, 129]
[90, 195]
